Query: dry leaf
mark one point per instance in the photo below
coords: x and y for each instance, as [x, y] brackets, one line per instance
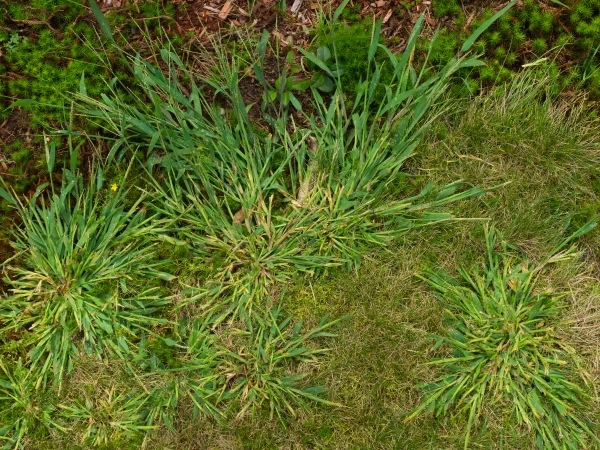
[225, 10]
[431, 22]
[387, 16]
[239, 217]
[284, 40]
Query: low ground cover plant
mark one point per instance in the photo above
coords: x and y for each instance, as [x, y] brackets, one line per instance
[560, 37]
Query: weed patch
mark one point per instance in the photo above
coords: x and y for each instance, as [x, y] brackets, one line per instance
[506, 350]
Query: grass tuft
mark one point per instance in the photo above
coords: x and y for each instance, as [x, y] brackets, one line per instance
[77, 249]
[506, 349]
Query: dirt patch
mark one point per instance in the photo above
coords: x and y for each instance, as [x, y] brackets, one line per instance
[6, 251]
[203, 19]
[17, 126]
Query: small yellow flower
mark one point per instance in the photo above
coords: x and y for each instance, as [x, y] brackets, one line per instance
[114, 187]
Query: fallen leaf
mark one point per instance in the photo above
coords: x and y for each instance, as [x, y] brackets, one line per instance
[284, 40]
[431, 22]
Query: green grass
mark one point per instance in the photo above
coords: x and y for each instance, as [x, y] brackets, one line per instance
[256, 209]
[381, 352]
[542, 145]
[507, 351]
[75, 255]
[276, 231]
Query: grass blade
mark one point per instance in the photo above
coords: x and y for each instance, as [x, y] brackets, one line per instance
[484, 26]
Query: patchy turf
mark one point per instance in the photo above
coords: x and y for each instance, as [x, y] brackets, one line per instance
[536, 149]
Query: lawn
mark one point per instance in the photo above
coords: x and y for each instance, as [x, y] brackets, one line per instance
[325, 226]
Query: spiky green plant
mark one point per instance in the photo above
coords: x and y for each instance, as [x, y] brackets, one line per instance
[259, 371]
[22, 409]
[109, 418]
[264, 204]
[195, 372]
[77, 249]
[506, 350]
[255, 208]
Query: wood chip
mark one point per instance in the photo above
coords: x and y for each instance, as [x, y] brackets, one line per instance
[225, 10]
[380, 3]
[296, 6]
[284, 40]
[431, 22]
[211, 9]
[388, 15]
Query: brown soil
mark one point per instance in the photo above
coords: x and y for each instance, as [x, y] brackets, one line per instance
[203, 19]
[15, 127]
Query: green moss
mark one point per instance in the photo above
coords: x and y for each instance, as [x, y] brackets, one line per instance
[446, 7]
[444, 48]
[351, 49]
[21, 156]
[539, 46]
[51, 68]
[522, 35]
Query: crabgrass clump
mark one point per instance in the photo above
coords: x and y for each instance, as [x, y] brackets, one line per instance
[77, 250]
[23, 409]
[285, 203]
[257, 208]
[254, 207]
[506, 349]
